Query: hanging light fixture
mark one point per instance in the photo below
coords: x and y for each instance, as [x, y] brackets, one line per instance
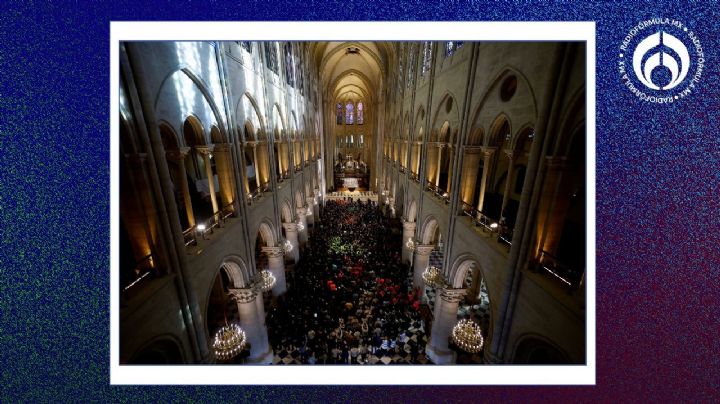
[229, 341]
[467, 335]
[300, 225]
[286, 245]
[265, 280]
[433, 277]
[412, 244]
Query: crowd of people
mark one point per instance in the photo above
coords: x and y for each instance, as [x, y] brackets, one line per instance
[351, 299]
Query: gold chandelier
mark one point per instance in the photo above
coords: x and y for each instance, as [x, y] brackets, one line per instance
[265, 280]
[229, 341]
[433, 277]
[411, 244]
[467, 335]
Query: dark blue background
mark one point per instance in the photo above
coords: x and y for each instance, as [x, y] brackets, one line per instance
[657, 206]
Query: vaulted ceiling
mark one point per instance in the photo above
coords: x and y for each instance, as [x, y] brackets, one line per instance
[352, 69]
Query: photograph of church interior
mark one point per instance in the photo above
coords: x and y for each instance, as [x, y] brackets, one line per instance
[352, 203]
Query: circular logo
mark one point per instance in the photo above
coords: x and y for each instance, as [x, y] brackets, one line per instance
[661, 60]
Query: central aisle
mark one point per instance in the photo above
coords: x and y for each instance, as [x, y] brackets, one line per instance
[351, 300]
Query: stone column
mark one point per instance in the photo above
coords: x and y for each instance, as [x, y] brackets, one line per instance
[178, 156]
[445, 317]
[316, 205]
[250, 321]
[223, 164]
[311, 217]
[276, 266]
[205, 151]
[554, 204]
[439, 164]
[508, 180]
[471, 161]
[291, 233]
[301, 214]
[422, 259]
[487, 152]
[256, 166]
[408, 234]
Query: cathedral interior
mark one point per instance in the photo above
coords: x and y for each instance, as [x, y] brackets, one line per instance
[353, 203]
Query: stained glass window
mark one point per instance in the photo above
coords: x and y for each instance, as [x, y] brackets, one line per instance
[452, 47]
[271, 58]
[289, 65]
[349, 113]
[339, 114]
[360, 117]
[411, 66]
[427, 58]
[245, 45]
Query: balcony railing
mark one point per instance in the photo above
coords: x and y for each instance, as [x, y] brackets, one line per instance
[144, 270]
[569, 276]
[489, 224]
[438, 192]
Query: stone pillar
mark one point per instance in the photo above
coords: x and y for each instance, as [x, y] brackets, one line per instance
[256, 166]
[486, 154]
[408, 234]
[250, 321]
[316, 205]
[439, 164]
[451, 158]
[223, 164]
[301, 214]
[276, 266]
[311, 217]
[205, 151]
[508, 180]
[445, 317]
[472, 294]
[178, 156]
[291, 234]
[554, 204]
[422, 259]
[471, 161]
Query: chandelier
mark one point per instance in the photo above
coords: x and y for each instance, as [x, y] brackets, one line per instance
[411, 244]
[265, 280]
[467, 335]
[229, 341]
[286, 245]
[433, 277]
[300, 225]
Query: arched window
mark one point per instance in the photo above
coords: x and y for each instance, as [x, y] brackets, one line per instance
[411, 66]
[245, 45]
[427, 58]
[339, 114]
[452, 47]
[349, 113]
[289, 66]
[360, 117]
[271, 58]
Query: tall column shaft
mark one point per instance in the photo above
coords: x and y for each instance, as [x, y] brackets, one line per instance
[302, 216]
[445, 317]
[487, 153]
[408, 234]
[225, 174]
[422, 259]
[205, 151]
[439, 165]
[257, 166]
[178, 156]
[471, 161]
[311, 217]
[276, 266]
[250, 321]
[508, 180]
[291, 234]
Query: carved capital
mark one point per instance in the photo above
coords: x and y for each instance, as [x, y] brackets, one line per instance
[424, 249]
[273, 252]
[452, 295]
[487, 152]
[135, 160]
[177, 155]
[409, 226]
[290, 227]
[243, 295]
[511, 154]
[205, 150]
[222, 147]
[556, 163]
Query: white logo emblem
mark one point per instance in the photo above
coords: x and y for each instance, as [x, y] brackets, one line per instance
[661, 61]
